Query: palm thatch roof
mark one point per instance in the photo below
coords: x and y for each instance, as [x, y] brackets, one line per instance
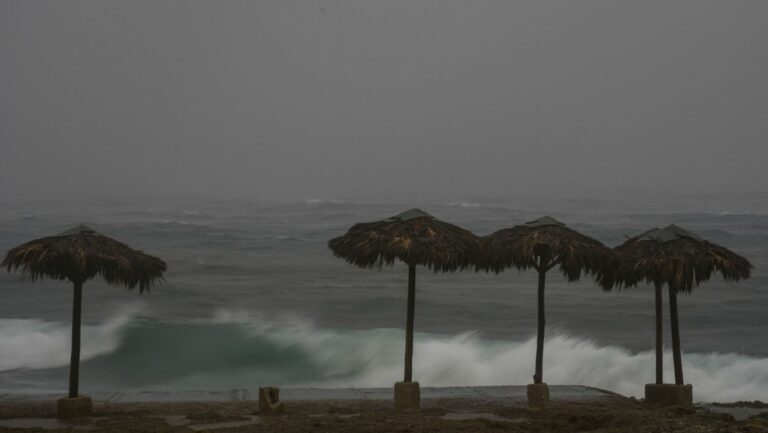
[414, 237]
[81, 253]
[522, 247]
[676, 257]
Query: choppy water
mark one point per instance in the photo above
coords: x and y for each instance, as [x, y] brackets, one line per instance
[253, 296]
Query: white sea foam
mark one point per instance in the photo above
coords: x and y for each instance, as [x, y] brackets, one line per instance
[35, 344]
[369, 358]
[465, 204]
[311, 356]
[466, 359]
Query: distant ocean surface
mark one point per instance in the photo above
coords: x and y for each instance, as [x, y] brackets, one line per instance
[253, 296]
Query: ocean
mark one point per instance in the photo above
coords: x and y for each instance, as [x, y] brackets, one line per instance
[253, 296]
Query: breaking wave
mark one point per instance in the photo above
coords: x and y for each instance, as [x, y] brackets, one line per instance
[241, 351]
[36, 344]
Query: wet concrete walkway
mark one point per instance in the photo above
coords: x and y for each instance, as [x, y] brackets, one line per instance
[513, 392]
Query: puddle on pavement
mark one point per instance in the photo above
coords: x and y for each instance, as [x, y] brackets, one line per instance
[462, 416]
[229, 424]
[49, 423]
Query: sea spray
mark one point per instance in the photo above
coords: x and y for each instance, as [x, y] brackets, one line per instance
[36, 344]
[236, 350]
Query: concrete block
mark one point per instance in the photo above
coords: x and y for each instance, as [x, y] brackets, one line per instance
[407, 396]
[669, 395]
[75, 407]
[269, 401]
[538, 395]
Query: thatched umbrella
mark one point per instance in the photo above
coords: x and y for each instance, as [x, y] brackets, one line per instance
[77, 255]
[681, 260]
[543, 244]
[417, 239]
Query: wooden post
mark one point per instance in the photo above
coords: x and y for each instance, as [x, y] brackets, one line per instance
[538, 377]
[676, 355]
[659, 337]
[74, 362]
[409, 324]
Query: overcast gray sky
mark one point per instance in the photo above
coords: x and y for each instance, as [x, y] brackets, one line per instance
[363, 98]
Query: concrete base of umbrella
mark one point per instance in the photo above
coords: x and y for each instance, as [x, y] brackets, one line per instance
[669, 395]
[407, 396]
[269, 401]
[538, 395]
[74, 407]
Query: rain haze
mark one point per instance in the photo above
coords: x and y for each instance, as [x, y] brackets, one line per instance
[240, 143]
[382, 99]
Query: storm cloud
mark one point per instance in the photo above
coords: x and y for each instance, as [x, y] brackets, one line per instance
[366, 99]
